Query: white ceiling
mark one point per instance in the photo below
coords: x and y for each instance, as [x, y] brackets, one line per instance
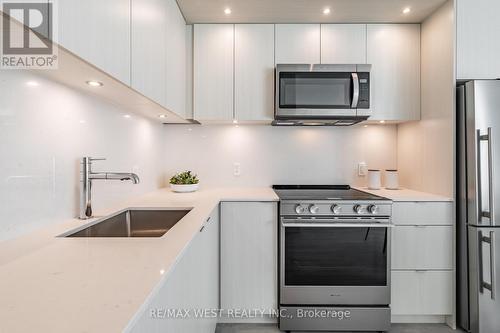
[307, 11]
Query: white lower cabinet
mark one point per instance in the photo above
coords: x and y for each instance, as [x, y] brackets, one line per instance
[249, 255]
[422, 292]
[422, 259]
[193, 284]
[422, 247]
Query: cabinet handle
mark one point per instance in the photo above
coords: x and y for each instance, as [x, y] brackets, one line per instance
[202, 227]
[208, 220]
[421, 270]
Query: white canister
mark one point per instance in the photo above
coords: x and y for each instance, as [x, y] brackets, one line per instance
[391, 179]
[374, 182]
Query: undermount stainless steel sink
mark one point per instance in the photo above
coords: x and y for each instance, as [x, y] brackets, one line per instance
[133, 223]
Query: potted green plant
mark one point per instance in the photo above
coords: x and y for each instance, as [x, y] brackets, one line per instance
[184, 182]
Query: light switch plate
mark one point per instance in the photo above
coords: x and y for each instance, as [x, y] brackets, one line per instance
[236, 169]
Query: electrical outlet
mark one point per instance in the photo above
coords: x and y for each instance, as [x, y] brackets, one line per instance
[236, 169]
[362, 169]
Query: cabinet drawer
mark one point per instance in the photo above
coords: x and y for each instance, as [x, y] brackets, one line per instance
[422, 213]
[422, 247]
[422, 293]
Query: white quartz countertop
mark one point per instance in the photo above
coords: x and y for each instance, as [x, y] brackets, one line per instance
[402, 195]
[54, 284]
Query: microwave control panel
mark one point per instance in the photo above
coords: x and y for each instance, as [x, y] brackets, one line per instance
[364, 90]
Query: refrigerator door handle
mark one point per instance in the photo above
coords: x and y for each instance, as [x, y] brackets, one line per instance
[490, 214]
[484, 285]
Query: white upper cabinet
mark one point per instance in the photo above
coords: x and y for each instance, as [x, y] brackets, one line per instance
[176, 60]
[343, 43]
[393, 50]
[213, 71]
[254, 72]
[149, 48]
[99, 32]
[298, 43]
[478, 45]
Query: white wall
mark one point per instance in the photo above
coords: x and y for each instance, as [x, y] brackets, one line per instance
[44, 131]
[278, 155]
[426, 148]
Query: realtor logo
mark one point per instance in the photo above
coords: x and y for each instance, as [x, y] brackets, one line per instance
[28, 35]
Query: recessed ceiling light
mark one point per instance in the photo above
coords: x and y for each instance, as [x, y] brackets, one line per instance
[93, 83]
[365, 126]
[407, 10]
[127, 116]
[326, 11]
[382, 121]
[32, 84]
[235, 121]
[162, 116]
[227, 11]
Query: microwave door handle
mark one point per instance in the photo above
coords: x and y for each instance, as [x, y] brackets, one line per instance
[355, 90]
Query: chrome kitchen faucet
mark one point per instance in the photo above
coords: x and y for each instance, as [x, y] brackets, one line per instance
[87, 176]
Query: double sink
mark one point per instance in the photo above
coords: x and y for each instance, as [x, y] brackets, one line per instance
[132, 223]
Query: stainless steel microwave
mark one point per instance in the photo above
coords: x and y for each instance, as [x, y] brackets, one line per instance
[322, 94]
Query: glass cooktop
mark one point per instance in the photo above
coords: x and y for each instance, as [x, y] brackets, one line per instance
[322, 192]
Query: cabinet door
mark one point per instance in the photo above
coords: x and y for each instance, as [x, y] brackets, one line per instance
[393, 50]
[343, 43]
[213, 71]
[149, 48]
[298, 44]
[422, 213]
[254, 72]
[422, 247]
[99, 32]
[248, 255]
[422, 293]
[192, 284]
[478, 45]
[176, 60]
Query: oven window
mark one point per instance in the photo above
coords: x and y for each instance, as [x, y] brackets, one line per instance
[315, 90]
[335, 256]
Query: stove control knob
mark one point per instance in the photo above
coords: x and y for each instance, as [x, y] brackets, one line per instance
[313, 209]
[358, 209]
[336, 209]
[373, 209]
[299, 209]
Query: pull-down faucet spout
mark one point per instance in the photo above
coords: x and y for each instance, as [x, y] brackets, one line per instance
[86, 183]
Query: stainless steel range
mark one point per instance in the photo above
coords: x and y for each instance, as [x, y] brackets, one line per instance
[334, 259]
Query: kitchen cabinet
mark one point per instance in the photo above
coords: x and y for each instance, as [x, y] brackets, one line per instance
[176, 60]
[248, 255]
[254, 72]
[422, 213]
[298, 44]
[213, 72]
[99, 32]
[149, 48]
[422, 247]
[422, 258]
[343, 43]
[393, 50]
[422, 293]
[477, 40]
[192, 284]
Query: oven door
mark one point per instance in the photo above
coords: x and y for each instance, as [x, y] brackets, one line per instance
[334, 262]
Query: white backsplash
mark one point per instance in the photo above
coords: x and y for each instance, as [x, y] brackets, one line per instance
[45, 130]
[278, 155]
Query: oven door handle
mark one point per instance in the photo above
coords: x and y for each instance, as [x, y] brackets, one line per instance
[334, 224]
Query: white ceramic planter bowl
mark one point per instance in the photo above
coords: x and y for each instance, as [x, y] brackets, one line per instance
[184, 188]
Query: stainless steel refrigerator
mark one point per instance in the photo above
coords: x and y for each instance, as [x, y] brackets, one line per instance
[478, 190]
